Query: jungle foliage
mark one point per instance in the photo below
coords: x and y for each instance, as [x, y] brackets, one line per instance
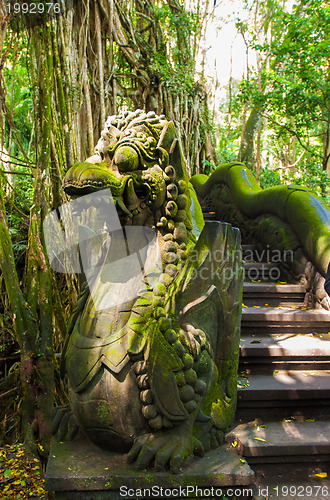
[276, 119]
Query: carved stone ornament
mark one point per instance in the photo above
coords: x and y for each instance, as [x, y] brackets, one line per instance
[152, 353]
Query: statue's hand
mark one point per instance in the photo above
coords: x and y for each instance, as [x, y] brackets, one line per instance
[171, 447]
[64, 422]
[194, 339]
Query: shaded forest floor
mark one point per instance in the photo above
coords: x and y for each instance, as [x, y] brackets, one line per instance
[21, 475]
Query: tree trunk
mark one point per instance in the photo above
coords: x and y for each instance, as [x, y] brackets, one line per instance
[246, 152]
[37, 355]
[258, 151]
[326, 149]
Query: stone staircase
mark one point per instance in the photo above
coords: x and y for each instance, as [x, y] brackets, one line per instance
[283, 411]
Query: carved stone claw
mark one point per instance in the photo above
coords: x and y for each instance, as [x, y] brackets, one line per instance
[171, 448]
[64, 423]
[208, 434]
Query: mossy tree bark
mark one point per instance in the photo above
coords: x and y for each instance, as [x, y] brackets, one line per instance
[37, 354]
[31, 301]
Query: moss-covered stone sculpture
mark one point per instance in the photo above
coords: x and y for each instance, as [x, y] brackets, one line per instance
[155, 376]
[306, 214]
[277, 219]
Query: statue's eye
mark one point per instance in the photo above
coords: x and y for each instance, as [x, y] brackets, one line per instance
[126, 159]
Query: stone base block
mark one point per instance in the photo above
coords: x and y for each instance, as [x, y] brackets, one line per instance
[81, 470]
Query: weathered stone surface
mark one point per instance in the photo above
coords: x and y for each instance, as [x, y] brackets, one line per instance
[80, 466]
[286, 385]
[282, 439]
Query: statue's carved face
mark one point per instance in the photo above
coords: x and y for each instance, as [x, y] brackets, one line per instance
[129, 160]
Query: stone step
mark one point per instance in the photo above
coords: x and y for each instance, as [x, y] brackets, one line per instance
[283, 386]
[252, 253]
[271, 294]
[263, 271]
[285, 371]
[292, 409]
[296, 481]
[263, 320]
[282, 441]
[286, 350]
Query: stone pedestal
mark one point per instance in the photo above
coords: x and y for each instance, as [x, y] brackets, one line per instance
[80, 470]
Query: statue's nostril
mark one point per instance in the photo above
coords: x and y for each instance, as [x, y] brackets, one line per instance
[126, 158]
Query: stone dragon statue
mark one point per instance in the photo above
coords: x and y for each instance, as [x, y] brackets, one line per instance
[154, 376]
